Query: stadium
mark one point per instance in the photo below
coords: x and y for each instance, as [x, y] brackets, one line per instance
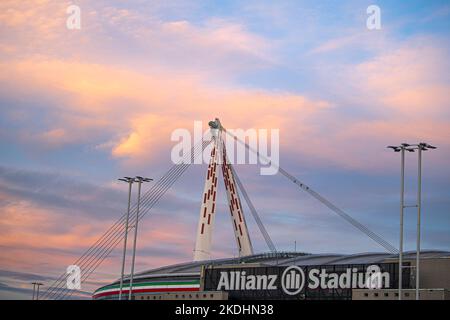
[280, 275]
[192, 280]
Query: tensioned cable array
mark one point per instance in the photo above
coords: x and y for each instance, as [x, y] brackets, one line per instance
[254, 212]
[320, 198]
[119, 238]
[101, 249]
[147, 203]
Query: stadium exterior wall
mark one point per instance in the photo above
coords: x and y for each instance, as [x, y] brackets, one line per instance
[200, 279]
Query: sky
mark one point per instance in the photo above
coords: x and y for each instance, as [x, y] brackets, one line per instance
[81, 108]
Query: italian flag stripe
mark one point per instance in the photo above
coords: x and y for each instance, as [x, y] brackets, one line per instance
[145, 284]
[126, 291]
[150, 287]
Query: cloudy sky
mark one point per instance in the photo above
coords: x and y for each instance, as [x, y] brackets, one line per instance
[80, 108]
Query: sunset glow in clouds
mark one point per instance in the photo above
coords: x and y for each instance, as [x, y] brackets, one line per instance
[81, 108]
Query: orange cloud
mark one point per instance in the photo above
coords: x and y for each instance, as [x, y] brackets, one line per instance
[140, 110]
[402, 93]
[41, 240]
[135, 105]
[39, 229]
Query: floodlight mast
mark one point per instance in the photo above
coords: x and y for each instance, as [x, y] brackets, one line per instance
[401, 149]
[423, 146]
[130, 181]
[36, 286]
[139, 180]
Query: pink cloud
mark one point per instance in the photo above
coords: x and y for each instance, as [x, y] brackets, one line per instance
[44, 240]
[138, 107]
[402, 93]
[410, 79]
[140, 110]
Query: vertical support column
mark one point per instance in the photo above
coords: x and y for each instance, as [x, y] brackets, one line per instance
[130, 183]
[402, 207]
[37, 290]
[419, 203]
[234, 202]
[136, 222]
[202, 249]
[34, 289]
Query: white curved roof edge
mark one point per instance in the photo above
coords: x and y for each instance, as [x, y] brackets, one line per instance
[334, 257]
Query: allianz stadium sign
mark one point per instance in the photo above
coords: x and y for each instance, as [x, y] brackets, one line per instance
[296, 282]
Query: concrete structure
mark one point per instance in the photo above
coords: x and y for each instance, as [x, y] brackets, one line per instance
[434, 279]
[198, 295]
[407, 294]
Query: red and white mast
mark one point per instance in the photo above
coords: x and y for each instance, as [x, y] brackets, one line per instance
[202, 249]
[208, 207]
[237, 214]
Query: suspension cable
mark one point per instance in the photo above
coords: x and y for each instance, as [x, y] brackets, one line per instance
[253, 211]
[180, 168]
[93, 257]
[104, 245]
[320, 198]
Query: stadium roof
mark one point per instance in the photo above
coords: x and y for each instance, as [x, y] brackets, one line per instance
[290, 258]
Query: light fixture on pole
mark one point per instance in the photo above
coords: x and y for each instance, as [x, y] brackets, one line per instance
[34, 289]
[36, 286]
[401, 148]
[421, 147]
[139, 180]
[130, 183]
[411, 148]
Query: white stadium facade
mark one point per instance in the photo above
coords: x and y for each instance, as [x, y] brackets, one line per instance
[200, 279]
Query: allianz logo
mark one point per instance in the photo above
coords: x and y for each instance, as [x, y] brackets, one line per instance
[293, 280]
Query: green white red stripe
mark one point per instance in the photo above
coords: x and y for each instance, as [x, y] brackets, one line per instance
[143, 287]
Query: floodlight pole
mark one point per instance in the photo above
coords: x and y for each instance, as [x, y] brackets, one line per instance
[34, 289]
[422, 146]
[130, 182]
[139, 180]
[36, 286]
[402, 207]
[419, 204]
[37, 290]
[401, 148]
